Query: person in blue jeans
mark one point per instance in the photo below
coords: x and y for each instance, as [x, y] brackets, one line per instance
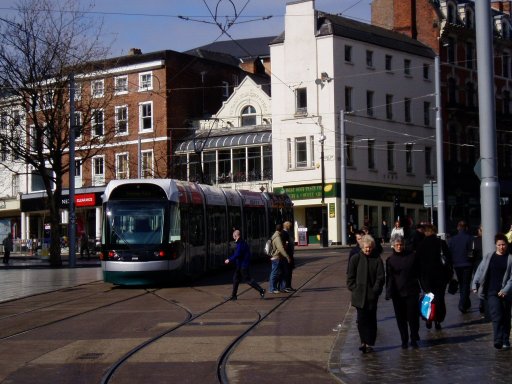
[493, 282]
[461, 249]
[241, 257]
[277, 258]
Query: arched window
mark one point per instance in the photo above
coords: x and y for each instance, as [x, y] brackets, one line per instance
[248, 116]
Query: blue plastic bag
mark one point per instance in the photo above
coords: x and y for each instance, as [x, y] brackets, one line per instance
[427, 306]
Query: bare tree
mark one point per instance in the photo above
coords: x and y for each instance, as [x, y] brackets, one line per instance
[40, 47]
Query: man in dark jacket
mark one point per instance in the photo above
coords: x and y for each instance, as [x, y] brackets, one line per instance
[461, 249]
[7, 243]
[241, 257]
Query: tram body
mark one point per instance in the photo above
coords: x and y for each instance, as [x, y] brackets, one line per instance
[165, 230]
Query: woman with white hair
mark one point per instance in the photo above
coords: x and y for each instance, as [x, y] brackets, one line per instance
[365, 279]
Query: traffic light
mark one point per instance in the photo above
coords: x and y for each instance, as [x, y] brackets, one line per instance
[397, 201]
[352, 205]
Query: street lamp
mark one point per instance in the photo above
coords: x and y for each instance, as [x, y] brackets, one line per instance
[323, 231]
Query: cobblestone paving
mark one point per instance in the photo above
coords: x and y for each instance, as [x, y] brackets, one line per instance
[462, 352]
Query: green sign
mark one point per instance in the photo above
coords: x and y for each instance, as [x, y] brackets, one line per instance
[332, 210]
[303, 192]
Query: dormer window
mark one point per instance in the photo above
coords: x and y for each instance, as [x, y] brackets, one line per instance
[248, 116]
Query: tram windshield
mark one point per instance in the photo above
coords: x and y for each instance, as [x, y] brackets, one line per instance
[139, 222]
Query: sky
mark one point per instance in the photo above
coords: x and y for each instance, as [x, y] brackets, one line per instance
[154, 25]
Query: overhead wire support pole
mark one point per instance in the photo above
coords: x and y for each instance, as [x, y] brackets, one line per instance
[343, 180]
[441, 210]
[72, 215]
[489, 185]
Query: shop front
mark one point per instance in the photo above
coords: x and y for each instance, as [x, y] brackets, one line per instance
[34, 215]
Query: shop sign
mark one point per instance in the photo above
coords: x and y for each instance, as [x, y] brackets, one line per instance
[82, 200]
[310, 191]
[332, 210]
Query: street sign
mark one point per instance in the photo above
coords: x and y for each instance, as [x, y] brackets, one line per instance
[430, 195]
[478, 169]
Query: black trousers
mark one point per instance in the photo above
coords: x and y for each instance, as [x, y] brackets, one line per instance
[7, 254]
[367, 325]
[242, 275]
[407, 315]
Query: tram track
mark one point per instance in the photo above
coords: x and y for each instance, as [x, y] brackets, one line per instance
[45, 307]
[72, 316]
[223, 358]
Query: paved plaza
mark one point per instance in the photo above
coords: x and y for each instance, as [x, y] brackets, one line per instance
[461, 352]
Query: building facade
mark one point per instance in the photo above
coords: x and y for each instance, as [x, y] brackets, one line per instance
[448, 27]
[150, 103]
[381, 84]
[233, 148]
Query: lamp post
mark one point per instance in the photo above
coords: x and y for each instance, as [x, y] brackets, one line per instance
[323, 231]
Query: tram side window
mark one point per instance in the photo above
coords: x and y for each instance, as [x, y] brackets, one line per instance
[196, 226]
[235, 221]
[174, 224]
[217, 224]
[253, 223]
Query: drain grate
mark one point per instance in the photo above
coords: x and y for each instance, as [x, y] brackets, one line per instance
[90, 356]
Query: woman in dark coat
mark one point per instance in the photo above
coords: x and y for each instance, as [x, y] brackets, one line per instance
[435, 271]
[403, 287]
[365, 279]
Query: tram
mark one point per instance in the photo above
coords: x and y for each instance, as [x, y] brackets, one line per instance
[165, 230]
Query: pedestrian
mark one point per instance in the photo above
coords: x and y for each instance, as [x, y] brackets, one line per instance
[417, 237]
[365, 279]
[435, 271]
[397, 229]
[384, 231]
[84, 246]
[461, 248]
[403, 288]
[241, 257]
[493, 282]
[357, 248]
[7, 243]
[477, 259]
[278, 257]
[289, 245]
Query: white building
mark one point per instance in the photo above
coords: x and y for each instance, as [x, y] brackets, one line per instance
[13, 171]
[384, 82]
[233, 148]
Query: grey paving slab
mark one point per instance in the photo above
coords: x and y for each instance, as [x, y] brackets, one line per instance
[20, 282]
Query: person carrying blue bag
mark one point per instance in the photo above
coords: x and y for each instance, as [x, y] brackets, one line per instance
[435, 271]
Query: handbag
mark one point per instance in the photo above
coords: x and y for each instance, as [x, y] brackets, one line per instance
[428, 307]
[453, 286]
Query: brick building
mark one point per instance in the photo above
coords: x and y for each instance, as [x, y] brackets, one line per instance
[151, 101]
[448, 27]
